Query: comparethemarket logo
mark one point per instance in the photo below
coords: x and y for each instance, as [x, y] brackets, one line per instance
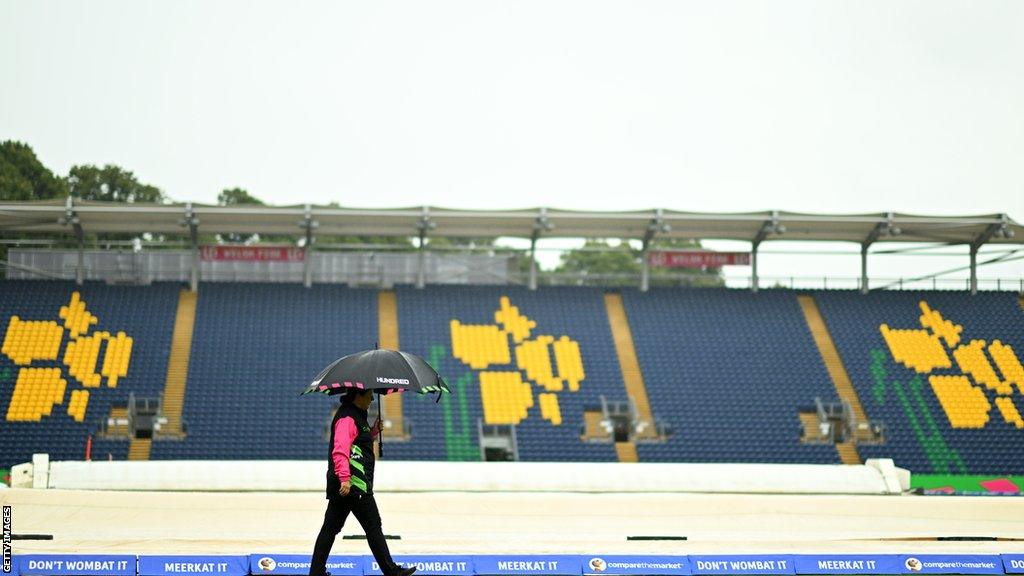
[949, 566]
[267, 564]
[599, 565]
[382, 380]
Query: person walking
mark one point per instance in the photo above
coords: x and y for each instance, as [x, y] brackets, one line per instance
[350, 485]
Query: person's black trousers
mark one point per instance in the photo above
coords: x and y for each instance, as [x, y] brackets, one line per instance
[364, 508]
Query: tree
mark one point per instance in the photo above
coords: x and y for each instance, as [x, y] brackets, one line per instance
[110, 184]
[23, 177]
[236, 196]
[600, 257]
[241, 197]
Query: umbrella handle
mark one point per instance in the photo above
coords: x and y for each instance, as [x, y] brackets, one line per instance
[380, 418]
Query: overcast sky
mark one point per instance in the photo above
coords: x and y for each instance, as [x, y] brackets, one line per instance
[716, 106]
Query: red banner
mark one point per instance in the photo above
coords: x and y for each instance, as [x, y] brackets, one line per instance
[696, 259]
[252, 253]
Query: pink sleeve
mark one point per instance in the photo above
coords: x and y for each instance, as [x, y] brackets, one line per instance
[344, 433]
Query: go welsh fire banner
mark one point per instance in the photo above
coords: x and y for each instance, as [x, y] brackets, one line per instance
[696, 259]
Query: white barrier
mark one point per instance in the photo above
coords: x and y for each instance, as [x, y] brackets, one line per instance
[875, 477]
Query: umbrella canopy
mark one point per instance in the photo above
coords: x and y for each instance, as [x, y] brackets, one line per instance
[383, 371]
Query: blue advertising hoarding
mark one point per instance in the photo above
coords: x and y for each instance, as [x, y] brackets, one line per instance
[527, 565]
[1013, 563]
[298, 564]
[77, 565]
[193, 565]
[427, 565]
[745, 564]
[847, 564]
[520, 565]
[951, 564]
[621, 565]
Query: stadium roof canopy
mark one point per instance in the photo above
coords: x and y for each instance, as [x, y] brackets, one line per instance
[58, 216]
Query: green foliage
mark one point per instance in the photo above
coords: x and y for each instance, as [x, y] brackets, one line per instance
[600, 257]
[24, 178]
[110, 184]
[240, 197]
[236, 196]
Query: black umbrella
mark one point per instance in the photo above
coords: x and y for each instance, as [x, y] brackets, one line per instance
[383, 371]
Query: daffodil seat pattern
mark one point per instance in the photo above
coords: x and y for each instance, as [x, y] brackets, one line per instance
[91, 359]
[967, 377]
[519, 366]
[939, 371]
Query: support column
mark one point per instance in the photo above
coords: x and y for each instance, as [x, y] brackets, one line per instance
[773, 226]
[533, 262]
[192, 223]
[71, 219]
[193, 281]
[308, 224]
[996, 230]
[540, 225]
[421, 266]
[424, 225]
[974, 269]
[864, 268]
[307, 256]
[645, 270]
[656, 225]
[886, 228]
[753, 265]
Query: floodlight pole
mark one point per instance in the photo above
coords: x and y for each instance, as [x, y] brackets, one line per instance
[423, 226]
[192, 222]
[71, 218]
[308, 224]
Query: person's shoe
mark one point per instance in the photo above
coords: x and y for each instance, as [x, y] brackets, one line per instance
[407, 571]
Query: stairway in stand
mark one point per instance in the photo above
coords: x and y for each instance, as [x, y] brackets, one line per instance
[848, 453]
[177, 364]
[139, 449]
[626, 451]
[633, 379]
[836, 370]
